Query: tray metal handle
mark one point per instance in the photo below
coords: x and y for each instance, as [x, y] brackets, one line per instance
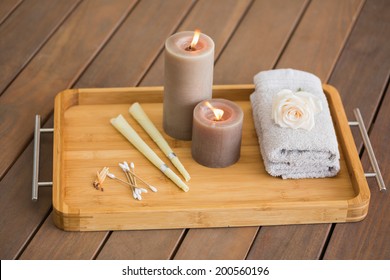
[359, 122]
[367, 143]
[37, 139]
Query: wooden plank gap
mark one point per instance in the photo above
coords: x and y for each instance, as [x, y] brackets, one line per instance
[326, 242]
[155, 59]
[178, 244]
[297, 31]
[12, 9]
[39, 47]
[32, 235]
[101, 245]
[346, 38]
[234, 31]
[291, 35]
[253, 240]
[26, 231]
[45, 120]
[363, 21]
[368, 239]
[377, 109]
[370, 126]
[84, 68]
[71, 83]
[361, 149]
[44, 124]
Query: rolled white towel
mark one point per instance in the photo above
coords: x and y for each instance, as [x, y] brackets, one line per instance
[287, 152]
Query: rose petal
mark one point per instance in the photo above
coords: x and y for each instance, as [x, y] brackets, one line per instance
[295, 110]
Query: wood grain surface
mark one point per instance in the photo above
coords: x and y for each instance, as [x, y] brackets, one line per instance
[369, 239]
[313, 61]
[365, 50]
[85, 141]
[259, 40]
[366, 90]
[7, 7]
[26, 31]
[249, 69]
[63, 60]
[209, 23]
[102, 44]
[44, 87]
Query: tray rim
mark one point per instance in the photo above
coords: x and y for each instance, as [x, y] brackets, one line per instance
[356, 207]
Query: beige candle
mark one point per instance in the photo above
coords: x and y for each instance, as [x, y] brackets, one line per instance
[216, 134]
[189, 64]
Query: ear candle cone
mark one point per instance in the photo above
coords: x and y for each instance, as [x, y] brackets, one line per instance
[139, 114]
[130, 134]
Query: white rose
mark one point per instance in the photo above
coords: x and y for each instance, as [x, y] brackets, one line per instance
[295, 109]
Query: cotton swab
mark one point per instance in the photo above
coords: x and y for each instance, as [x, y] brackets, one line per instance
[135, 194]
[126, 166]
[136, 189]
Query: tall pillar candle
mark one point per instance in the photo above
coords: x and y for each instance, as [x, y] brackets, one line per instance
[189, 66]
[217, 131]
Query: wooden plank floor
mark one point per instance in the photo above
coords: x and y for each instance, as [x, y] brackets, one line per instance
[47, 46]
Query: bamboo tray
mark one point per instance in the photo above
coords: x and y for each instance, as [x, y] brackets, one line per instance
[239, 195]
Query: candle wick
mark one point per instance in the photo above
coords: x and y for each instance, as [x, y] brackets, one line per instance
[189, 48]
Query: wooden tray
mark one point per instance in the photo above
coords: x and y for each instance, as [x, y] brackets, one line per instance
[240, 195]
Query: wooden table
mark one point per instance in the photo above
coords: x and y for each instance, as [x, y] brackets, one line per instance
[47, 46]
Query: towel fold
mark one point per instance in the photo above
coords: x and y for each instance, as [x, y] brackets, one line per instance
[287, 152]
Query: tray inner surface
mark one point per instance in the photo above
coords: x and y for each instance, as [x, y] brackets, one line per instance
[89, 143]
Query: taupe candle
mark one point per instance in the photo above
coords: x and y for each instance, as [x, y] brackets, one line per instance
[189, 64]
[216, 133]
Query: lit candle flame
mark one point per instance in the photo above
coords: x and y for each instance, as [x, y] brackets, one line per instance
[195, 39]
[218, 113]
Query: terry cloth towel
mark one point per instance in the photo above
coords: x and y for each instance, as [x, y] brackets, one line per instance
[287, 152]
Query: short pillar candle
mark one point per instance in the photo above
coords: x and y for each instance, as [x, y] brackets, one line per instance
[217, 133]
[188, 79]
